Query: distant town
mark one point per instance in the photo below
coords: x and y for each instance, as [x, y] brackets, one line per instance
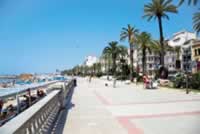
[186, 55]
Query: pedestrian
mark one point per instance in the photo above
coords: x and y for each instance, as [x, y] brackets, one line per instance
[114, 82]
[1, 105]
[90, 78]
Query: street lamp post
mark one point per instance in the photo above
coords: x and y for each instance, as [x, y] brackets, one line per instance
[187, 80]
[187, 83]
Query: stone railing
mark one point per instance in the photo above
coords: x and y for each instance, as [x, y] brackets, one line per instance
[40, 117]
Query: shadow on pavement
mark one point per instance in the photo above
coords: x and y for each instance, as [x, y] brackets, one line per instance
[62, 118]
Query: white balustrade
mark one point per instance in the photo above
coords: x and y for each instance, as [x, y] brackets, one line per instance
[40, 117]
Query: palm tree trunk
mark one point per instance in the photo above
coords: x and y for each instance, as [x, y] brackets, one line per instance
[144, 61]
[114, 65]
[162, 54]
[105, 65]
[131, 62]
[109, 65]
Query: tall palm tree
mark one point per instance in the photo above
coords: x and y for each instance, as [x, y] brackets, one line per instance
[196, 16]
[94, 68]
[106, 58]
[144, 41]
[113, 50]
[194, 2]
[196, 22]
[123, 64]
[123, 52]
[98, 67]
[159, 9]
[129, 33]
[157, 46]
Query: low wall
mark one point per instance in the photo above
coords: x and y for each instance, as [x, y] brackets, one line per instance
[40, 117]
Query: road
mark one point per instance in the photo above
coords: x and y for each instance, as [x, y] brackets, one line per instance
[129, 109]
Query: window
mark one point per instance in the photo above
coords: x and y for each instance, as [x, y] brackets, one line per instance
[173, 59]
[195, 52]
[184, 58]
[177, 39]
[189, 57]
[199, 51]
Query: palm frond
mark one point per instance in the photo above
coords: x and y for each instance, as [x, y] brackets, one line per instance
[196, 22]
[159, 8]
[190, 2]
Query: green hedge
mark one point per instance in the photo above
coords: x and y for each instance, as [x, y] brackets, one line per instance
[193, 81]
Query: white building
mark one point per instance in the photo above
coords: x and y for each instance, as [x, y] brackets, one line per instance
[170, 61]
[152, 61]
[90, 60]
[180, 38]
[183, 40]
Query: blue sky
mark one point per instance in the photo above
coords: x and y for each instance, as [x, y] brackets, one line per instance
[45, 35]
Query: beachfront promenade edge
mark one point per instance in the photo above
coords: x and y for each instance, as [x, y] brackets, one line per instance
[40, 117]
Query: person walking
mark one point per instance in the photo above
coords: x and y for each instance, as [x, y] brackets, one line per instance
[90, 78]
[1, 105]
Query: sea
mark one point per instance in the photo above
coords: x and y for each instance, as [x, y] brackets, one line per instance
[5, 80]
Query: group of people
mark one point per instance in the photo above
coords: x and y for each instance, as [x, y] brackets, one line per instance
[1, 106]
[6, 113]
[149, 82]
[11, 111]
[30, 99]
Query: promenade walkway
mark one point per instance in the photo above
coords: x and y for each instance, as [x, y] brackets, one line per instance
[129, 109]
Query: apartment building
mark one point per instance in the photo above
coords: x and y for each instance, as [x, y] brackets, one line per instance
[184, 40]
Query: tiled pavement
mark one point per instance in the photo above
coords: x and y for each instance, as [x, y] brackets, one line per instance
[129, 109]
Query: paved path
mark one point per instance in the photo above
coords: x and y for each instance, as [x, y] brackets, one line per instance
[129, 109]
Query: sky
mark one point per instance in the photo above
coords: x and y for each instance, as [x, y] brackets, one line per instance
[40, 36]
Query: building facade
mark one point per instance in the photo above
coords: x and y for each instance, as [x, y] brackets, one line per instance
[152, 61]
[196, 56]
[90, 60]
[170, 61]
[196, 50]
[184, 40]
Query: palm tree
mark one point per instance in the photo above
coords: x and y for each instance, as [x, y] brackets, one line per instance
[106, 58]
[144, 41]
[113, 51]
[159, 9]
[196, 22]
[94, 69]
[194, 2]
[123, 52]
[98, 68]
[130, 34]
[156, 47]
[196, 16]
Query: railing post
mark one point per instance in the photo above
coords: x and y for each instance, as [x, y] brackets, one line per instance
[62, 97]
[18, 104]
